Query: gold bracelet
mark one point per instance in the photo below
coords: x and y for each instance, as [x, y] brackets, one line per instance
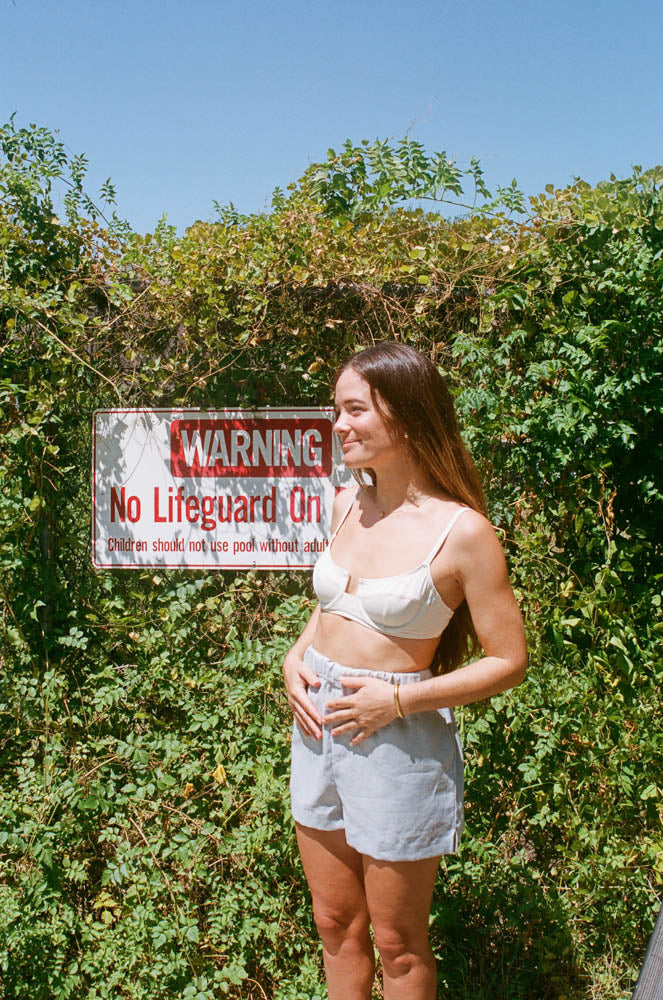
[397, 702]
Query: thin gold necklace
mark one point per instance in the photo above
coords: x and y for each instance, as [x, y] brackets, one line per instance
[415, 506]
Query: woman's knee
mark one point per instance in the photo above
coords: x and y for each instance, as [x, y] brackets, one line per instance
[337, 925]
[400, 950]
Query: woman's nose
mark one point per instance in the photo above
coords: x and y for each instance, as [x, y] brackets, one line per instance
[340, 424]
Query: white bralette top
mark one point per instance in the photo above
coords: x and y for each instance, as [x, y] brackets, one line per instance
[406, 606]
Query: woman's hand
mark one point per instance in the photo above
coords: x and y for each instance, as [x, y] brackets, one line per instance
[298, 678]
[370, 707]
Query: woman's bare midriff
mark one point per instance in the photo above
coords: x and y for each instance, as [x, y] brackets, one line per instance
[354, 645]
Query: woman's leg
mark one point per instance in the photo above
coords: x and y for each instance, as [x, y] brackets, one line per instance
[399, 896]
[335, 875]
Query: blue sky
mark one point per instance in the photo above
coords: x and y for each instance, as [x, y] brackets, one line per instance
[183, 103]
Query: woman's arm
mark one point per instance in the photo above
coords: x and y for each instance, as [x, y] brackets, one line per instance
[297, 674]
[481, 570]
[298, 677]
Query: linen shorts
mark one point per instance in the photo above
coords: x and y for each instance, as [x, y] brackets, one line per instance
[398, 794]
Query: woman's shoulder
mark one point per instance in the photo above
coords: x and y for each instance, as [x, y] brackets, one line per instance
[342, 503]
[462, 528]
[344, 498]
[470, 526]
[473, 542]
[472, 522]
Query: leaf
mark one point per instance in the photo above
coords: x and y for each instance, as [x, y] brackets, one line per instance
[35, 608]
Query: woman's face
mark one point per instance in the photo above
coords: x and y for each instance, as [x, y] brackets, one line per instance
[365, 437]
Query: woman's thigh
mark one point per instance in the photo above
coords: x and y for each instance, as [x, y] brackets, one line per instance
[399, 895]
[335, 874]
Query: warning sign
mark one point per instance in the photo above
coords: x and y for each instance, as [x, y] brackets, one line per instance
[215, 489]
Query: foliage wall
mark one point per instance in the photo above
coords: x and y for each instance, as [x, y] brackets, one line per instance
[146, 846]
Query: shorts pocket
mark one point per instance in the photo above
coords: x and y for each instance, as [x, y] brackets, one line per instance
[419, 744]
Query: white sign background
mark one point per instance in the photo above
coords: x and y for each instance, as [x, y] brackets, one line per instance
[149, 511]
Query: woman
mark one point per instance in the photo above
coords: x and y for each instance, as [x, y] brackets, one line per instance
[412, 575]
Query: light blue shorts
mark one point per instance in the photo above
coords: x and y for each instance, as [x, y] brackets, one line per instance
[398, 794]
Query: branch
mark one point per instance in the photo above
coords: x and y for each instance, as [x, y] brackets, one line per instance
[79, 359]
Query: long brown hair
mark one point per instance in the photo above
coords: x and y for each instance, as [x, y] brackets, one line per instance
[416, 404]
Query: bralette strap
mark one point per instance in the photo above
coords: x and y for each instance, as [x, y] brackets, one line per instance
[441, 540]
[347, 511]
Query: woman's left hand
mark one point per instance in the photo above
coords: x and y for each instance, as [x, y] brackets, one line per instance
[370, 707]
